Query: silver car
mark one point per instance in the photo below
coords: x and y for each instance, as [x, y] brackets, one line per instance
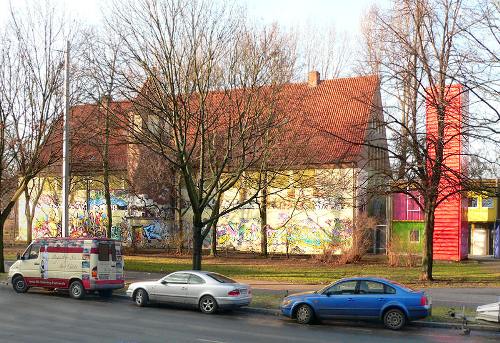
[206, 290]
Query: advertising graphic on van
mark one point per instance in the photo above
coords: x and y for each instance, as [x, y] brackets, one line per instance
[80, 264]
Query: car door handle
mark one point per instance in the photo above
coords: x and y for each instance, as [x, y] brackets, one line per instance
[184, 288]
[381, 299]
[350, 299]
[36, 264]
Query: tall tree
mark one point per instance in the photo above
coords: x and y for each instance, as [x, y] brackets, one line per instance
[205, 88]
[31, 75]
[100, 60]
[424, 50]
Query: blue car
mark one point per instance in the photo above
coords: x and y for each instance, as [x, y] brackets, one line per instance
[359, 298]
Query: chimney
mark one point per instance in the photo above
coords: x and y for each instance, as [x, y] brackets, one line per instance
[313, 78]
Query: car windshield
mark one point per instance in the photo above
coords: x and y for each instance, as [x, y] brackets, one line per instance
[220, 278]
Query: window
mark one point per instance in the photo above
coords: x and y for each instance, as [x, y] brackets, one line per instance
[389, 290]
[414, 236]
[195, 279]
[347, 287]
[473, 202]
[179, 278]
[33, 253]
[220, 278]
[113, 251]
[103, 251]
[371, 287]
[487, 202]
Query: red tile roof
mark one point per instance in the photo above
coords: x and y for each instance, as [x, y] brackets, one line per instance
[326, 124]
[331, 119]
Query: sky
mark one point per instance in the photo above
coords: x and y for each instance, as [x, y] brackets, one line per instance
[345, 15]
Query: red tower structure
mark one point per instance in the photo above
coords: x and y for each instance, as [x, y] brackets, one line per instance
[450, 230]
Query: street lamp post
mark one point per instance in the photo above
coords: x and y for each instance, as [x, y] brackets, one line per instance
[66, 147]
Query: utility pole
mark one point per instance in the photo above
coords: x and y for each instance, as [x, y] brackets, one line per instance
[66, 152]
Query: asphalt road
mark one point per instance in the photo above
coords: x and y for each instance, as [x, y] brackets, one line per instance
[48, 317]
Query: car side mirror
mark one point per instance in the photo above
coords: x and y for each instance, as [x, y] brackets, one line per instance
[163, 282]
[18, 256]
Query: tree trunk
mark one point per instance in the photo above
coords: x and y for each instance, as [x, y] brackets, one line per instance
[428, 248]
[263, 219]
[27, 214]
[107, 193]
[109, 211]
[178, 209]
[197, 241]
[3, 218]
[214, 238]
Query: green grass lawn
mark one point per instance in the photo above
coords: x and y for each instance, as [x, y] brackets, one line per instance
[311, 272]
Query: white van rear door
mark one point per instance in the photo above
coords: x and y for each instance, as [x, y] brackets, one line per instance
[106, 262]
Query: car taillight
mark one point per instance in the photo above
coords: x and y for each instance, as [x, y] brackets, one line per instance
[423, 300]
[94, 273]
[234, 293]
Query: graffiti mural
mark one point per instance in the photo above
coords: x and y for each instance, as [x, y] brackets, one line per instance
[87, 214]
[305, 220]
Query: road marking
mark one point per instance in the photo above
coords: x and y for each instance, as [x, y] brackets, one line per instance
[208, 340]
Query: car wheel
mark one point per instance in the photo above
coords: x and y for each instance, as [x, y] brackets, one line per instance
[394, 319]
[76, 290]
[19, 284]
[141, 298]
[106, 293]
[304, 314]
[208, 304]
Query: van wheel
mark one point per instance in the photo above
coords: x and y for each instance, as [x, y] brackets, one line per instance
[394, 319]
[76, 290]
[19, 284]
[141, 298]
[304, 314]
[207, 304]
[106, 293]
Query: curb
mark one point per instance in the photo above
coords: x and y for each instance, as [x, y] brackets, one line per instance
[439, 325]
[457, 326]
[420, 323]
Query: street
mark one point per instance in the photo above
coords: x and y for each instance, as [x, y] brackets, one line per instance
[47, 317]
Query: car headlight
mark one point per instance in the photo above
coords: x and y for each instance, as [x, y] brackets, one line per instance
[286, 302]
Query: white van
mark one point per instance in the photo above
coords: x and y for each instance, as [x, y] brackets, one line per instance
[79, 265]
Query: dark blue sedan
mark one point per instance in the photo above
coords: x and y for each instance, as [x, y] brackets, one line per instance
[359, 298]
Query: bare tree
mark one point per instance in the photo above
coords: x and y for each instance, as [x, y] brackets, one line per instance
[100, 60]
[205, 86]
[424, 52]
[32, 194]
[322, 48]
[31, 66]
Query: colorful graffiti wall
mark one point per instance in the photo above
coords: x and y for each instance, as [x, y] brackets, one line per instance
[300, 221]
[88, 216]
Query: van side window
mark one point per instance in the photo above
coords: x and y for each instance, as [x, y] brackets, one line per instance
[103, 251]
[35, 250]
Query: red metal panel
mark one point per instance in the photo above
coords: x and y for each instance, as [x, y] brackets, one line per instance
[406, 208]
[450, 230]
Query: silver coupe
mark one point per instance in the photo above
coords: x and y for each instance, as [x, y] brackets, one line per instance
[205, 290]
